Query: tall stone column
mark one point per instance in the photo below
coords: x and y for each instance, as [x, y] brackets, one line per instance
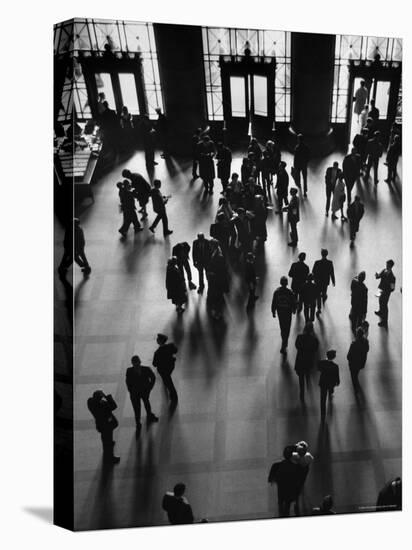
[313, 61]
[180, 55]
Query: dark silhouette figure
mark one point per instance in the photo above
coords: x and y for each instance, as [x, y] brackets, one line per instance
[323, 274]
[309, 295]
[159, 202]
[351, 167]
[386, 286]
[359, 142]
[195, 152]
[289, 479]
[359, 301]
[299, 272]
[224, 163]
[390, 497]
[328, 380]
[129, 211]
[251, 279]
[164, 361]
[356, 211]
[222, 231]
[282, 186]
[357, 355]
[373, 111]
[300, 163]
[148, 136]
[102, 406]
[284, 304]
[333, 173]
[201, 257]
[175, 285]
[74, 242]
[293, 216]
[141, 188]
[181, 252]
[140, 381]
[177, 506]
[307, 345]
[392, 157]
[374, 150]
[206, 152]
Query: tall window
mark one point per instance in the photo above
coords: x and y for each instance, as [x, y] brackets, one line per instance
[224, 41]
[357, 48]
[92, 35]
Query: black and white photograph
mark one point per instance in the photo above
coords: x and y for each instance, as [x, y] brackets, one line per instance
[228, 273]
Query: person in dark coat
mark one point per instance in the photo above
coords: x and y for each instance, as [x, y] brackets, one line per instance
[392, 157]
[162, 129]
[201, 258]
[129, 211]
[206, 152]
[265, 169]
[359, 301]
[299, 272]
[323, 274]
[328, 380]
[159, 206]
[282, 186]
[179, 511]
[288, 478]
[284, 305]
[373, 111]
[195, 152]
[148, 138]
[374, 150]
[74, 239]
[333, 173]
[224, 163]
[357, 355]
[141, 188]
[242, 223]
[175, 285]
[301, 157]
[222, 231]
[386, 286]
[351, 167]
[390, 497]
[255, 149]
[181, 252]
[309, 294]
[218, 280]
[164, 361]
[102, 406]
[359, 142]
[140, 381]
[251, 279]
[259, 228]
[307, 345]
[293, 216]
[355, 213]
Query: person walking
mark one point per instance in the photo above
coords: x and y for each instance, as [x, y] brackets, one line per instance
[307, 345]
[224, 163]
[102, 406]
[201, 257]
[360, 99]
[332, 175]
[359, 301]
[282, 186]
[328, 380]
[141, 188]
[293, 216]
[357, 355]
[301, 157]
[206, 153]
[284, 305]
[181, 252]
[74, 241]
[251, 279]
[129, 212]
[339, 198]
[159, 202]
[323, 274]
[164, 361]
[309, 297]
[392, 157]
[386, 286]
[351, 167]
[140, 381]
[359, 143]
[299, 272]
[175, 285]
[355, 212]
[374, 150]
[288, 477]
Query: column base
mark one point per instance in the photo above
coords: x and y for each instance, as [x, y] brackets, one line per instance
[319, 145]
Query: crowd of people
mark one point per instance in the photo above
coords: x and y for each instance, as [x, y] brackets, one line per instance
[236, 237]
